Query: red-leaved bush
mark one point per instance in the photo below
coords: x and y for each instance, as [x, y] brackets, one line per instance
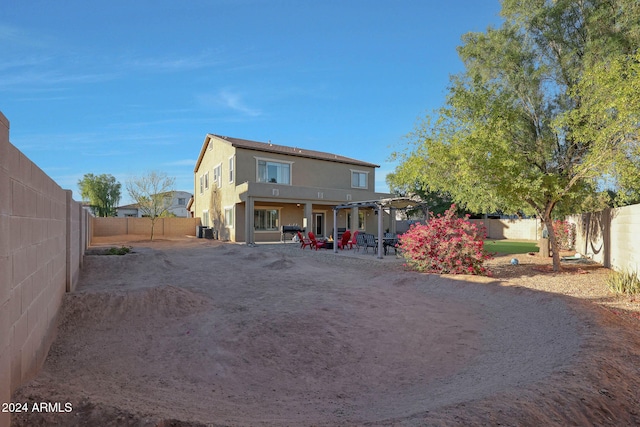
[565, 233]
[446, 244]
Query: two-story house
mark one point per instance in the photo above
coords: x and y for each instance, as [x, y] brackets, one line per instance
[247, 190]
[177, 206]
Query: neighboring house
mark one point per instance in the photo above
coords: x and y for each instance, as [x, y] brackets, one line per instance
[178, 206]
[247, 190]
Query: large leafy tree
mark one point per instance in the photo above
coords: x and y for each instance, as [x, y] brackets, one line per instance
[153, 193]
[517, 131]
[102, 192]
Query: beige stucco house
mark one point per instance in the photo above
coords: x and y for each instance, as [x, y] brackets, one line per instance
[247, 190]
[177, 206]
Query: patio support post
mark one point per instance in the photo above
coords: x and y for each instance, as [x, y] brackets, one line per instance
[392, 220]
[248, 221]
[308, 216]
[380, 233]
[335, 230]
[355, 219]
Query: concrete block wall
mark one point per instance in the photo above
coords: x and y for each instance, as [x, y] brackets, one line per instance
[514, 229]
[41, 249]
[165, 227]
[610, 237]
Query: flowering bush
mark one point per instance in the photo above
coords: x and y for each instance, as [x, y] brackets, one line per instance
[565, 233]
[447, 244]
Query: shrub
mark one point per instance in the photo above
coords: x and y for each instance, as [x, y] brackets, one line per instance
[565, 233]
[118, 251]
[446, 244]
[625, 282]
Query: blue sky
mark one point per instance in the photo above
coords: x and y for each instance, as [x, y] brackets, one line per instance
[123, 87]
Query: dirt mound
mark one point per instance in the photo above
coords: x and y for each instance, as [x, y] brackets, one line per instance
[283, 263]
[122, 305]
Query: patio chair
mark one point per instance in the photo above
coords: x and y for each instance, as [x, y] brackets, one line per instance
[354, 240]
[304, 242]
[315, 242]
[370, 242]
[344, 241]
[360, 241]
[391, 241]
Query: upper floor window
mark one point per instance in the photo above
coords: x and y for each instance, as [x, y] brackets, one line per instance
[230, 169]
[272, 171]
[206, 181]
[359, 179]
[217, 175]
[182, 201]
[201, 184]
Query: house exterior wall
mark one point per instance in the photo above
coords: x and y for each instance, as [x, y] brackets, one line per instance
[316, 186]
[43, 234]
[180, 210]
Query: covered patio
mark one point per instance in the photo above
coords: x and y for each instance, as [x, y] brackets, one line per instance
[380, 206]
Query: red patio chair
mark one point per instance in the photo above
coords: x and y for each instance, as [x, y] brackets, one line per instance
[315, 242]
[354, 240]
[344, 241]
[304, 242]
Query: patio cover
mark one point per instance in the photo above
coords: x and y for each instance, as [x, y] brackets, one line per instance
[401, 203]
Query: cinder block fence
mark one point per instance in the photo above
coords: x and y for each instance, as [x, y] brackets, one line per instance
[43, 236]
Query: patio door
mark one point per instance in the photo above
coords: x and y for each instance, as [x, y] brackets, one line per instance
[318, 224]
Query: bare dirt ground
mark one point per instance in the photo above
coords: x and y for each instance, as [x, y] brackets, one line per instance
[193, 332]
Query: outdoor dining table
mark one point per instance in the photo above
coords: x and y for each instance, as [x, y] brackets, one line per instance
[388, 241]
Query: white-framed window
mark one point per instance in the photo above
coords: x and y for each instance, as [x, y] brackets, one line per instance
[360, 220]
[266, 219]
[228, 217]
[201, 184]
[359, 179]
[206, 180]
[277, 172]
[231, 169]
[217, 175]
[205, 218]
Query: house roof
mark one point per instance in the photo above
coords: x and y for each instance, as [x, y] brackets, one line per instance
[268, 147]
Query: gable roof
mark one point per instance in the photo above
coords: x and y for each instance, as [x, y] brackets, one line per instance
[268, 147]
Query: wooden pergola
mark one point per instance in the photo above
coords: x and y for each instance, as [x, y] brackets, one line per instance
[392, 204]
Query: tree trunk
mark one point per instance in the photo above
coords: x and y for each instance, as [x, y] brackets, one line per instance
[153, 223]
[555, 247]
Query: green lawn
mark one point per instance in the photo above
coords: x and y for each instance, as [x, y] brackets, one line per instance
[510, 247]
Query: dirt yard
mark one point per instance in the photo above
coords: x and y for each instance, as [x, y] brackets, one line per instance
[195, 332]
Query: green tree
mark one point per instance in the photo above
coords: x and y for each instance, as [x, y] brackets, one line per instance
[102, 192]
[516, 132]
[153, 193]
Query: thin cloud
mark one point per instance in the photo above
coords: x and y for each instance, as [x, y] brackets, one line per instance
[228, 100]
[203, 60]
[183, 162]
[17, 37]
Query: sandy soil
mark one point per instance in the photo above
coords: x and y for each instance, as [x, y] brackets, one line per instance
[195, 332]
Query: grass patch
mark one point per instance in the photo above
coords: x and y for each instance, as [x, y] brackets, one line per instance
[118, 251]
[510, 247]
